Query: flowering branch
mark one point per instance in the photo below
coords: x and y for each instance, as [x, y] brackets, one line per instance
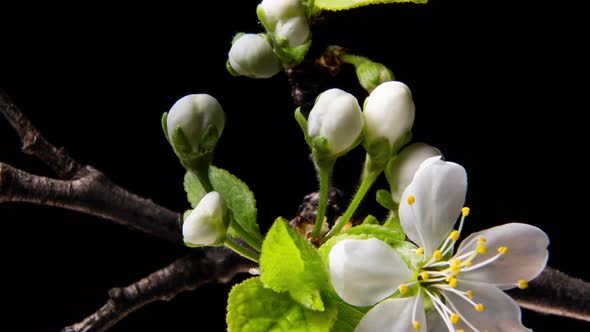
[185, 274]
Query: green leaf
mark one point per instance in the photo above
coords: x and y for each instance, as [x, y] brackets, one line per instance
[385, 234]
[254, 308]
[348, 317]
[302, 123]
[290, 263]
[236, 193]
[384, 198]
[350, 4]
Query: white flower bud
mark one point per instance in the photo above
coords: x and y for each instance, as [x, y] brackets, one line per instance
[285, 19]
[252, 55]
[403, 168]
[336, 116]
[389, 112]
[195, 114]
[207, 224]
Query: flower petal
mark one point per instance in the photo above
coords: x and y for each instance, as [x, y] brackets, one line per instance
[526, 257]
[438, 191]
[394, 315]
[364, 272]
[500, 314]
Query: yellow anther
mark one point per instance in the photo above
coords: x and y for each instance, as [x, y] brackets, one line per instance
[403, 288]
[482, 239]
[411, 199]
[454, 236]
[470, 264]
[465, 211]
[416, 325]
[455, 270]
[424, 275]
[455, 263]
[420, 251]
[460, 330]
[481, 249]
[523, 284]
[437, 255]
[503, 250]
[454, 318]
[470, 294]
[453, 282]
[479, 307]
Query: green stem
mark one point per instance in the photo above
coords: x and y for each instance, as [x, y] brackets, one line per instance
[324, 173]
[203, 177]
[243, 251]
[370, 173]
[353, 59]
[244, 235]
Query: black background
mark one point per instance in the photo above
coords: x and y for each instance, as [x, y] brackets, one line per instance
[499, 87]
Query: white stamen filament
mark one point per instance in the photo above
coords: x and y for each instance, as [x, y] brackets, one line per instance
[462, 317]
[462, 294]
[436, 303]
[484, 263]
[415, 307]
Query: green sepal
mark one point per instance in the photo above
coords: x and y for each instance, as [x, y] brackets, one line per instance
[209, 139]
[370, 220]
[349, 316]
[254, 308]
[290, 56]
[289, 263]
[191, 160]
[393, 222]
[380, 152]
[230, 69]
[234, 191]
[383, 197]
[322, 153]
[302, 121]
[165, 124]
[335, 5]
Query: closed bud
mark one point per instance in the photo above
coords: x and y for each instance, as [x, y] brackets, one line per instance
[285, 19]
[372, 74]
[251, 55]
[207, 224]
[337, 118]
[389, 113]
[403, 167]
[201, 120]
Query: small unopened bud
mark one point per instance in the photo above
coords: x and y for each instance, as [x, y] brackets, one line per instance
[389, 113]
[372, 74]
[336, 116]
[285, 19]
[403, 167]
[207, 224]
[200, 118]
[252, 55]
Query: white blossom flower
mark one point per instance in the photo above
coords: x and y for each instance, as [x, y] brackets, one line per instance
[389, 112]
[285, 19]
[464, 289]
[336, 116]
[195, 114]
[252, 55]
[404, 166]
[207, 224]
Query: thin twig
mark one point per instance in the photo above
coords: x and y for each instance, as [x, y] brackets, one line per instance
[185, 274]
[35, 144]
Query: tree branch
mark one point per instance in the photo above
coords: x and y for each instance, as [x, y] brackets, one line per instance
[92, 194]
[556, 293]
[185, 274]
[82, 188]
[35, 144]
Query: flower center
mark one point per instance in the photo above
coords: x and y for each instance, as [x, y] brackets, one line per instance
[439, 274]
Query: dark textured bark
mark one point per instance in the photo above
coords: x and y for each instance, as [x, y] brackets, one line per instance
[185, 274]
[94, 194]
[556, 293]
